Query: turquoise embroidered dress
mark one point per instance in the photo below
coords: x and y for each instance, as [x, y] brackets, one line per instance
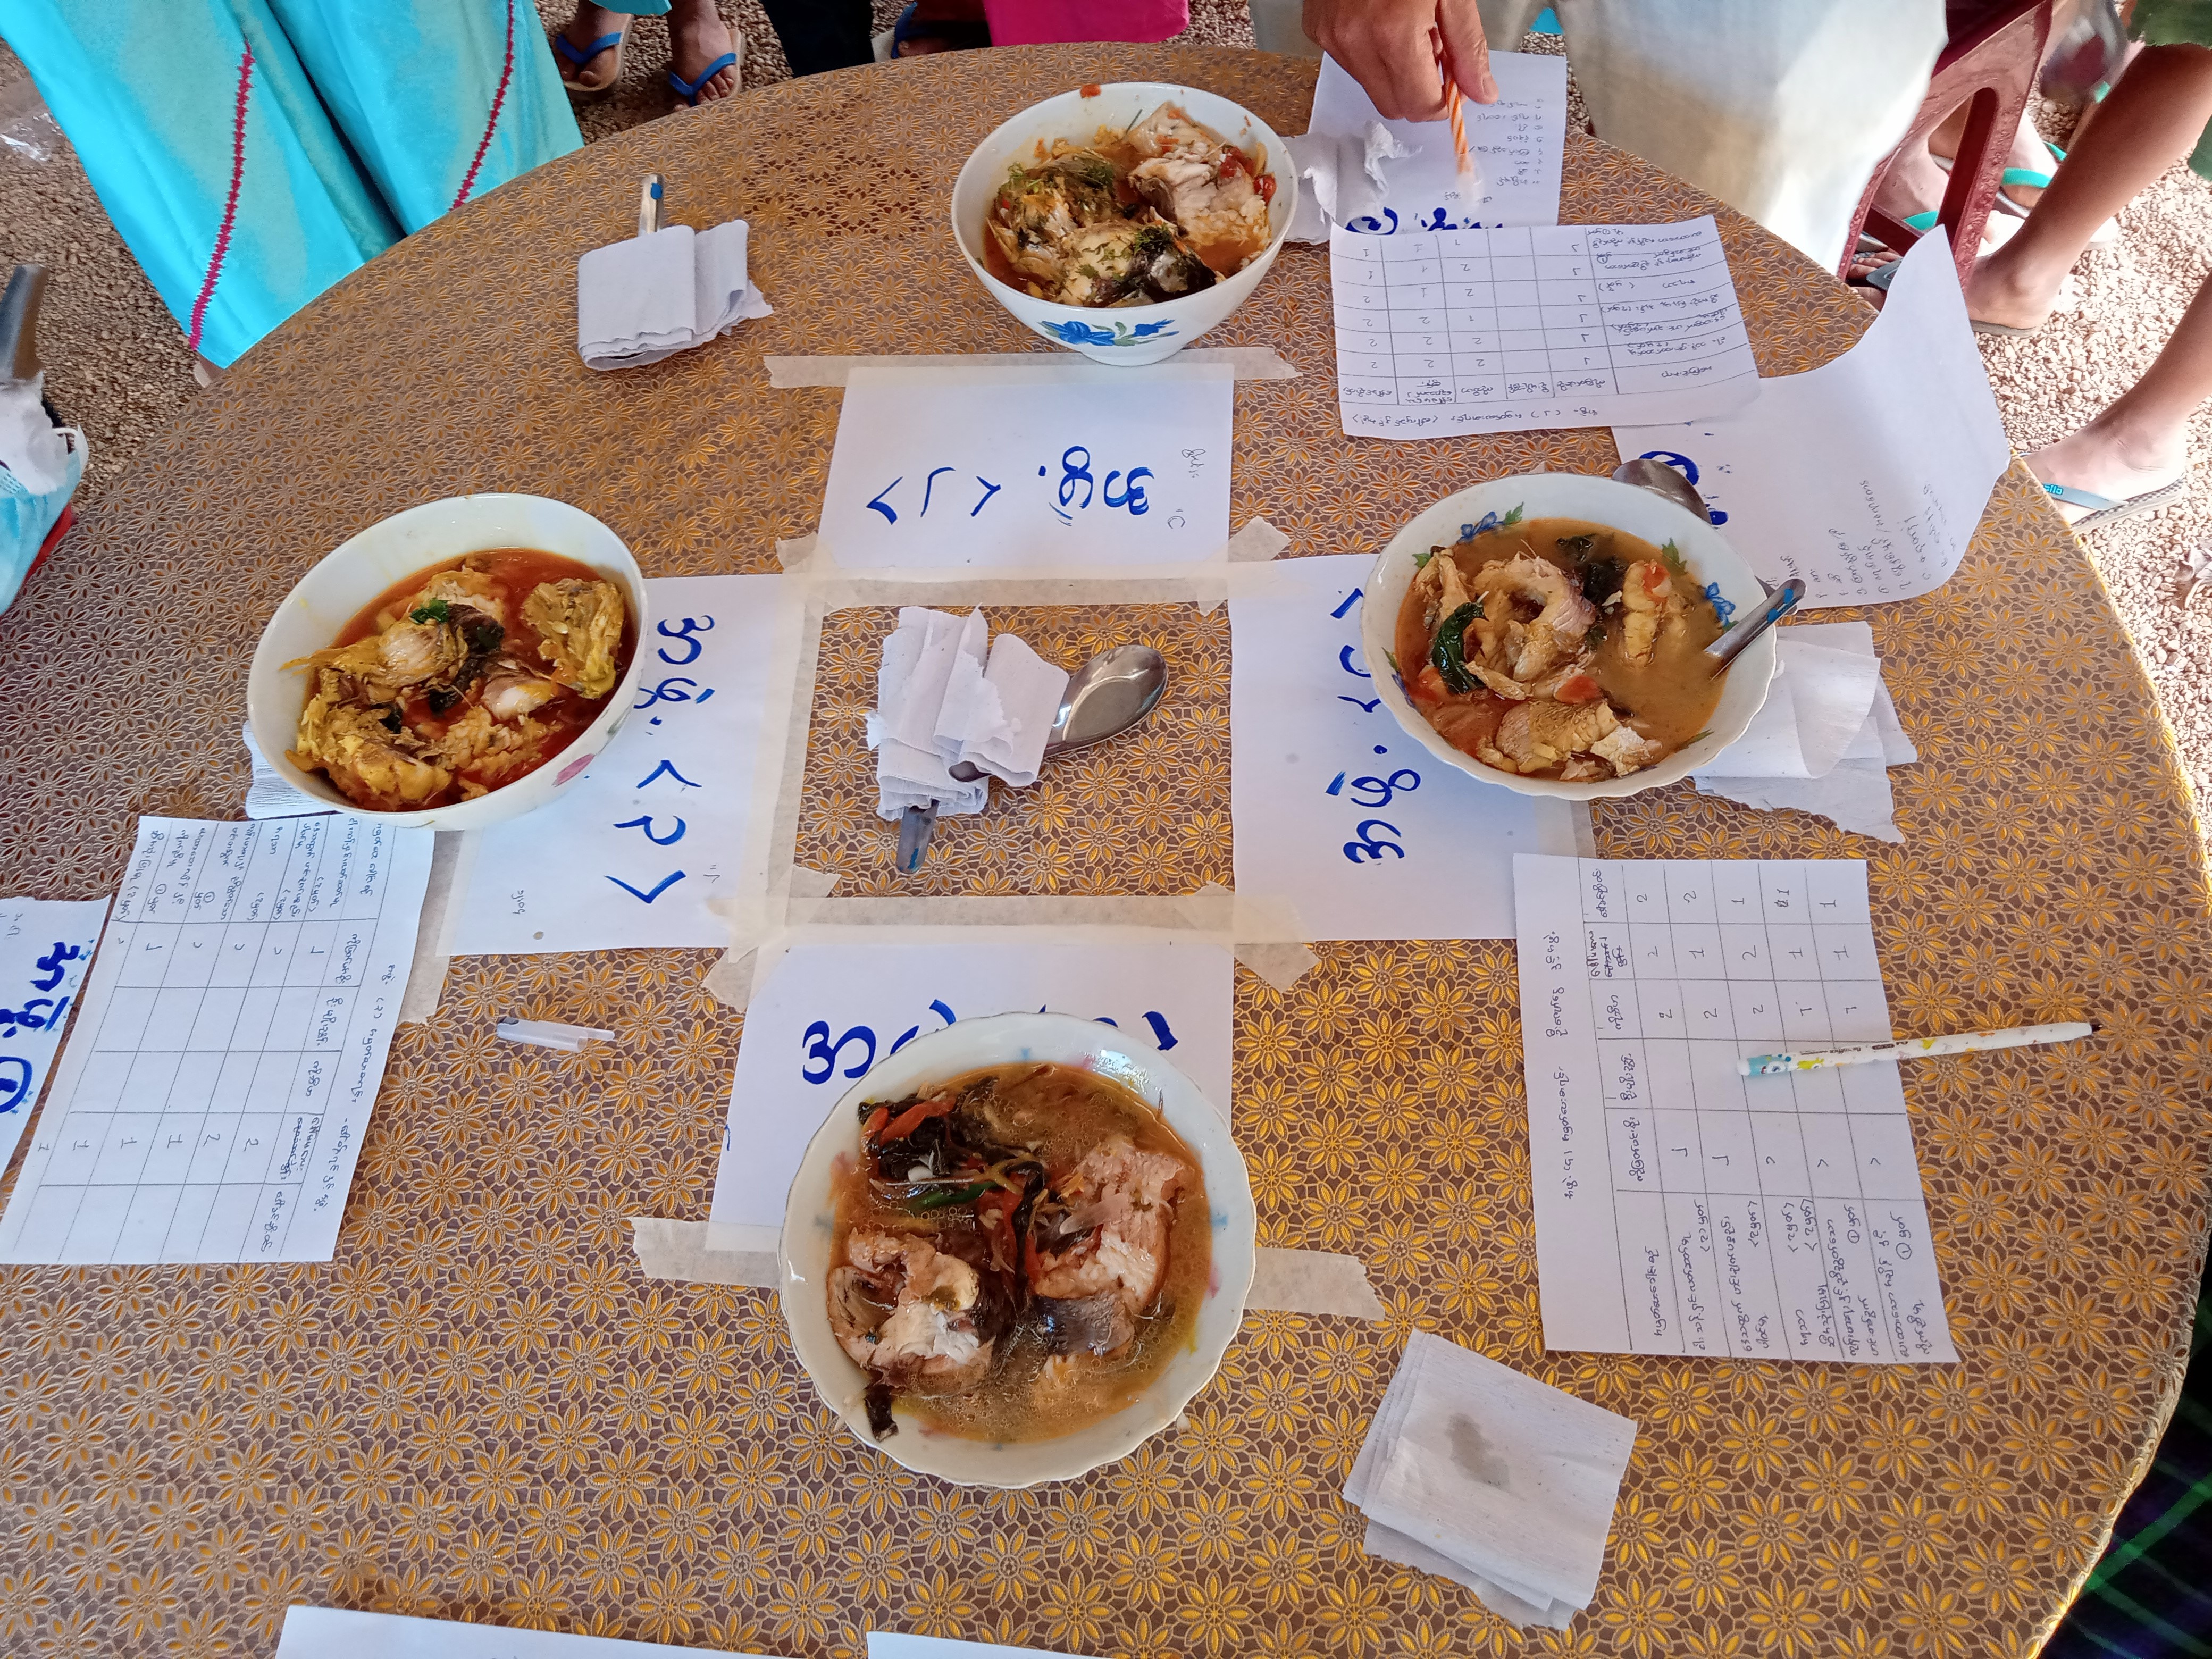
[251, 153]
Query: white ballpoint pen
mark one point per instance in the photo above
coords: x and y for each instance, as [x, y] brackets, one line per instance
[1962, 1043]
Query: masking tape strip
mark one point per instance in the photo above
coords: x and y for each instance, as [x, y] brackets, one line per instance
[450, 854]
[786, 373]
[1203, 582]
[777, 895]
[1313, 1282]
[702, 1252]
[1585, 834]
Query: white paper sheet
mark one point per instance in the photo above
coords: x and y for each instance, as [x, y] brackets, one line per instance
[829, 1012]
[1819, 704]
[46, 945]
[336, 1633]
[1336, 809]
[895, 1644]
[1517, 142]
[1867, 475]
[629, 856]
[1060, 464]
[1554, 325]
[212, 1099]
[1680, 1208]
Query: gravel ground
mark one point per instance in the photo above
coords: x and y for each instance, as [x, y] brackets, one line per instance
[117, 364]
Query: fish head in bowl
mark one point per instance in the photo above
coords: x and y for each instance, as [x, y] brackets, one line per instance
[809, 1236]
[1641, 513]
[1119, 334]
[360, 570]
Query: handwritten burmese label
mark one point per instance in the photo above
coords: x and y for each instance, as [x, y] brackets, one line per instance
[1073, 464]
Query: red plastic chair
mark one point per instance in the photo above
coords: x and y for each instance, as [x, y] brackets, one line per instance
[1990, 68]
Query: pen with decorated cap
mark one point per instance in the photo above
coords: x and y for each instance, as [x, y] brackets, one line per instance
[1961, 1043]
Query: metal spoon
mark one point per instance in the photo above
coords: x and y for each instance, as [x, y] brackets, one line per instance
[1780, 602]
[1112, 692]
[1662, 480]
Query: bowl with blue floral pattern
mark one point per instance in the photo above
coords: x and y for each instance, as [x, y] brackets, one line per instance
[1574, 698]
[1159, 206]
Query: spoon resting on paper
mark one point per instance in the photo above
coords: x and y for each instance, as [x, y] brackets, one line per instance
[1115, 690]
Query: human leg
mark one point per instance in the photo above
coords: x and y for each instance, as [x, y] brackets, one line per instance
[2141, 440]
[698, 40]
[819, 35]
[2152, 118]
[591, 61]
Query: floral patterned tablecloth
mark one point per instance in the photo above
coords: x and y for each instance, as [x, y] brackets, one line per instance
[480, 1410]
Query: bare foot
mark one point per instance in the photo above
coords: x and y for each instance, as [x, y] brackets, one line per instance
[591, 23]
[697, 37]
[1914, 186]
[1998, 291]
[2110, 461]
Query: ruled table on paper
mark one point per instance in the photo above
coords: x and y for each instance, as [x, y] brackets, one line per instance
[1535, 326]
[1681, 1208]
[210, 1102]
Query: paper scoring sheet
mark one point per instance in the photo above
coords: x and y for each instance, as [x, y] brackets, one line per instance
[1866, 476]
[211, 1101]
[1556, 325]
[46, 945]
[341, 1633]
[628, 857]
[1517, 143]
[1683, 1209]
[1334, 807]
[829, 1012]
[1008, 466]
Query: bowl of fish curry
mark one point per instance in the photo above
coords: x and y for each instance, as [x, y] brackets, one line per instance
[454, 665]
[1549, 632]
[1124, 220]
[1017, 1249]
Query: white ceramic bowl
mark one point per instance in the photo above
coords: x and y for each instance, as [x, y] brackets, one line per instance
[1130, 334]
[1571, 495]
[808, 1228]
[337, 591]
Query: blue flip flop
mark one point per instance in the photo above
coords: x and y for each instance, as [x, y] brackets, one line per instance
[2104, 510]
[576, 57]
[689, 90]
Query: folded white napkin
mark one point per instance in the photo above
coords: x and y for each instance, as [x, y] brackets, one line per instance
[1485, 1476]
[652, 296]
[1825, 740]
[1344, 177]
[939, 700]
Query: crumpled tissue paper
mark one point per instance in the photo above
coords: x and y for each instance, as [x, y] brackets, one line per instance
[941, 700]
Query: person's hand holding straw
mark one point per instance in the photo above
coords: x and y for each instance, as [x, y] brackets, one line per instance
[1393, 49]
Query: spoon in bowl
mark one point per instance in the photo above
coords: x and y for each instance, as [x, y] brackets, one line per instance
[1662, 480]
[1115, 690]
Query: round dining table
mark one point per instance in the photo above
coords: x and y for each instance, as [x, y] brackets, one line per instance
[480, 1409]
